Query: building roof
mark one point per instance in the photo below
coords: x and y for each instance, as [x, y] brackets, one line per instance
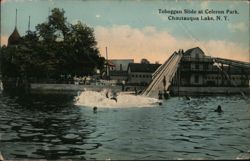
[14, 38]
[189, 51]
[141, 67]
[109, 63]
[118, 73]
[121, 64]
[121, 59]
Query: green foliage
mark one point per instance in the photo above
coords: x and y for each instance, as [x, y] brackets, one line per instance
[56, 48]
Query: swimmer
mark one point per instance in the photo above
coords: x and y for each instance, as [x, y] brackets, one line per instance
[114, 98]
[218, 109]
[107, 94]
[95, 109]
[166, 95]
[188, 98]
[159, 95]
[135, 91]
[160, 103]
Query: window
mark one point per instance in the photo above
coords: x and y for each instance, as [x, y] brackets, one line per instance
[196, 66]
[120, 67]
[186, 66]
[196, 79]
[206, 66]
[197, 55]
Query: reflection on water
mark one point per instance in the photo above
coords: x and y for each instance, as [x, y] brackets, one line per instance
[52, 127]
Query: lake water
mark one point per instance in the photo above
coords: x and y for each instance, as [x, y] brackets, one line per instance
[54, 126]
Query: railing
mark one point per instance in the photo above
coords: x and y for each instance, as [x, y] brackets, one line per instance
[197, 59]
[232, 62]
[199, 70]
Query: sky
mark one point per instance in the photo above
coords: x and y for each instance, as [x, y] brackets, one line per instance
[135, 29]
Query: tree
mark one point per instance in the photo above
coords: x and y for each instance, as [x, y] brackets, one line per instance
[82, 44]
[55, 48]
[56, 28]
[74, 46]
[144, 61]
[58, 22]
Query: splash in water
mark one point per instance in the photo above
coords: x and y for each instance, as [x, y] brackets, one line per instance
[101, 99]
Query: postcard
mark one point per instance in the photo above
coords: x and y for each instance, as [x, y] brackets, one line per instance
[124, 80]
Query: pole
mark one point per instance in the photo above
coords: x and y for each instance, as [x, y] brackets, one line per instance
[178, 72]
[29, 24]
[107, 63]
[16, 19]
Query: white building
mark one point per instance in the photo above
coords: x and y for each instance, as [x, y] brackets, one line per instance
[141, 73]
[119, 71]
[120, 64]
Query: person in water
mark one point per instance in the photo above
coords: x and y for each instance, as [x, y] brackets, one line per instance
[160, 95]
[107, 94]
[166, 95]
[95, 109]
[218, 109]
[164, 82]
[114, 97]
[135, 91]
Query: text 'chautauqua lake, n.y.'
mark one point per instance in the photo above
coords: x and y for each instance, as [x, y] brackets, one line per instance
[198, 15]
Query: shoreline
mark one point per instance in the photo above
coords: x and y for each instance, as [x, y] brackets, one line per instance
[182, 91]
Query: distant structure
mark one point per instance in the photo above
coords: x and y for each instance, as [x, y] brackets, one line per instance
[14, 38]
[120, 64]
[193, 73]
[119, 69]
[29, 25]
[141, 73]
[201, 74]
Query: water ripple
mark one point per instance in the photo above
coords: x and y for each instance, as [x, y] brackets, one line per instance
[52, 127]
